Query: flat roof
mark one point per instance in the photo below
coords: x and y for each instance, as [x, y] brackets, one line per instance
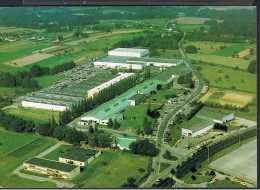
[51, 164]
[196, 124]
[79, 154]
[211, 114]
[129, 50]
[156, 60]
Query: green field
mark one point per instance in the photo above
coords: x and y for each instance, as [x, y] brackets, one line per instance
[226, 184]
[48, 80]
[115, 173]
[134, 116]
[220, 60]
[159, 97]
[52, 61]
[229, 51]
[213, 73]
[15, 159]
[11, 141]
[54, 155]
[199, 178]
[190, 27]
[37, 115]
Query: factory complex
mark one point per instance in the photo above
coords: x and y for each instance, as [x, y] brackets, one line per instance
[85, 81]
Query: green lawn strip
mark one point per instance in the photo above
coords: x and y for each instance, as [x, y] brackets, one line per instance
[117, 172]
[11, 141]
[229, 51]
[134, 116]
[95, 166]
[48, 80]
[226, 184]
[220, 60]
[54, 155]
[199, 178]
[212, 74]
[38, 115]
[15, 159]
[163, 166]
[191, 27]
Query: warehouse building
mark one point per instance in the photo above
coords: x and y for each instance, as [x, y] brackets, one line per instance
[80, 156]
[124, 142]
[129, 52]
[197, 129]
[215, 116]
[51, 168]
[96, 90]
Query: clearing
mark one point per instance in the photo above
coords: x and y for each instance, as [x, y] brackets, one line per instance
[240, 163]
[193, 20]
[11, 141]
[29, 59]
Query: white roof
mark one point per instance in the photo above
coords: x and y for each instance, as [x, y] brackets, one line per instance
[129, 50]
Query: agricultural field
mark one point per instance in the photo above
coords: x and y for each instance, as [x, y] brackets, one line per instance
[235, 98]
[193, 20]
[54, 155]
[227, 78]
[48, 80]
[116, 171]
[10, 141]
[134, 116]
[190, 27]
[220, 60]
[10, 162]
[29, 59]
[38, 115]
[229, 51]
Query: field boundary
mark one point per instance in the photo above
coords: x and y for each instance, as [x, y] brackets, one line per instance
[20, 147]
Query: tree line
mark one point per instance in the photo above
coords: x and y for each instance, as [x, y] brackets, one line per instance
[202, 154]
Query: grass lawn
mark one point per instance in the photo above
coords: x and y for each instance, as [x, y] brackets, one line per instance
[226, 184]
[48, 80]
[38, 115]
[163, 166]
[159, 97]
[15, 159]
[229, 51]
[11, 141]
[117, 172]
[54, 155]
[241, 80]
[220, 60]
[199, 178]
[134, 116]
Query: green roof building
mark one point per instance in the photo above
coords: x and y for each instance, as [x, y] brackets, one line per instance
[215, 116]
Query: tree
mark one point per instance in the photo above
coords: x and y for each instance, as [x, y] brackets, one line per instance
[29, 126]
[116, 125]
[60, 38]
[252, 67]
[90, 130]
[191, 49]
[110, 123]
[143, 147]
[59, 133]
[147, 126]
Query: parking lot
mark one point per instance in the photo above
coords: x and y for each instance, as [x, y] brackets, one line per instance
[241, 163]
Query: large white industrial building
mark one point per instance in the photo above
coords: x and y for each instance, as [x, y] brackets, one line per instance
[96, 90]
[129, 52]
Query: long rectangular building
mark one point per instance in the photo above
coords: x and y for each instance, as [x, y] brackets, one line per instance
[51, 168]
[129, 52]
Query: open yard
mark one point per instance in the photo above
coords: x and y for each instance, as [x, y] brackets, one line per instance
[10, 141]
[116, 172]
[15, 159]
[193, 20]
[220, 60]
[228, 78]
[29, 59]
[38, 115]
[240, 163]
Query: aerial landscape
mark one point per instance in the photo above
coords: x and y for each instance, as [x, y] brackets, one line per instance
[128, 97]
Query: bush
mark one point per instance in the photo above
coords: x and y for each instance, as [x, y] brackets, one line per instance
[141, 170]
[227, 178]
[193, 169]
[193, 178]
[212, 173]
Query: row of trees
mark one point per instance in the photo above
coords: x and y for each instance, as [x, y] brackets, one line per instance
[226, 106]
[113, 124]
[202, 154]
[185, 79]
[252, 67]
[62, 67]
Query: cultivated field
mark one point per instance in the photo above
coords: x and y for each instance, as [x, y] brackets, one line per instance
[244, 53]
[193, 20]
[11, 141]
[240, 163]
[191, 27]
[10, 162]
[29, 59]
[229, 51]
[222, 96]
[220, 60]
